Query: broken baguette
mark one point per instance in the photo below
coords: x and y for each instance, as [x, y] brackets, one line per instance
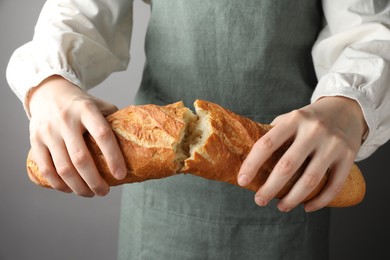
[161, 141]
[150, 138]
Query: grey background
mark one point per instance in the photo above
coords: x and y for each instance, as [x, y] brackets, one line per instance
[37, 223]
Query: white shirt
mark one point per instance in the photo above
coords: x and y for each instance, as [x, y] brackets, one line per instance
[351, 55]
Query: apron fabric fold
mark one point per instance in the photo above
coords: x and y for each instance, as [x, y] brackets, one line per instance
[254, 58]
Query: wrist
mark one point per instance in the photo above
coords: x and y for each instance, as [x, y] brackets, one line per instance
[351, 108]
[45, 92]
[358, 112]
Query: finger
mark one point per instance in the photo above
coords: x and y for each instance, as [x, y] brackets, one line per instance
[261, 151]
[105, 107]
[83, 161]
[66, 170]
[101, 131]
[338, 175]
[285, 168]
[309, 180]
[278, 119]
[42, 158]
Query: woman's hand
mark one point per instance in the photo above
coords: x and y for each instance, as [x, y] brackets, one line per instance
[329, 131]
[60, 114]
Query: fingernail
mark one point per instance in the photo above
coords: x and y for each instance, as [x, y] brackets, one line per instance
[120, 173]
[309, 209]
[243, 180]
[103, 192]
[68, 190]
[260, 201]
[284, 209]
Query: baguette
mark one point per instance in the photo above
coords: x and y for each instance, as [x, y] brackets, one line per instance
[149, 137]
[161, 141]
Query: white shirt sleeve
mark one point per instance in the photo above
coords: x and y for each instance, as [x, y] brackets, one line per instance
[81, 40]
[352, 59]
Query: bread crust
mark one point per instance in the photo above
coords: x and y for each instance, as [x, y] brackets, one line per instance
[147, 136]
[154, 139]
[230, 141]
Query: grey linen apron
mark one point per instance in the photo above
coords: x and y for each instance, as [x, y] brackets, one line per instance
[252, 57]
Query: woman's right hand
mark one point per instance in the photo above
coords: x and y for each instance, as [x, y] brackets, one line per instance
[60, 114]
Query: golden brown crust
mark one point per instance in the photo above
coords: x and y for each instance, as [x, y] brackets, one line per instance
[353, 190]
[152, 139]
[146, 135]
[34, 173]
[229, 142]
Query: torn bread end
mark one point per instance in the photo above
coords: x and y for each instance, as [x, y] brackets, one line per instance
[193, 136]
[200, 132]
[181, 148]
[197, 133]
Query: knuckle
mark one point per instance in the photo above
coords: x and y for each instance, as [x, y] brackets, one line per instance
[337, 140]
[264, 143]
[296, 114]
[286, 166]
[310, 181]
[36, 133]
[34, 136]
[338, 144]
[336, 188]
[45, 172]
[103, 132]
[319, 124]
[350, 154]
[64, 170]
[87, 104]
[79, 157]
[62, 115]
[318, 127]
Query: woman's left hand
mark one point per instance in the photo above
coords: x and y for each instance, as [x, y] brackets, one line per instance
[329, 130]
